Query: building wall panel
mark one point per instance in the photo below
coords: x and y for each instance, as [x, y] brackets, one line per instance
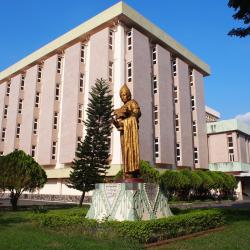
[2, 97]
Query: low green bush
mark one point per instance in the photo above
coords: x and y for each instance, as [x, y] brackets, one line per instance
[142, 231]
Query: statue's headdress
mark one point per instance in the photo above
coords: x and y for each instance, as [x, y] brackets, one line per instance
[125, 89]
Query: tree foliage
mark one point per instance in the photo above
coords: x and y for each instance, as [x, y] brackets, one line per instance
[92, 155]
[242, 9]
[19, 172]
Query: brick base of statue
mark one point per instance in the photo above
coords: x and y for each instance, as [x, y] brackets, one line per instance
[130, 201]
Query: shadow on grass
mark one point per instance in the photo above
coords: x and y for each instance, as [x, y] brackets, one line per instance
[7, 221]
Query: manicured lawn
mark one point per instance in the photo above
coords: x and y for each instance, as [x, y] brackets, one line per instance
[18, 232]
[235, 236]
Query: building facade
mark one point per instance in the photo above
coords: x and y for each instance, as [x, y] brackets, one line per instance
[43, 97]
[229, 151]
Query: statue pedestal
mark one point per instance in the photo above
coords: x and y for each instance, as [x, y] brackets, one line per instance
[128, 201]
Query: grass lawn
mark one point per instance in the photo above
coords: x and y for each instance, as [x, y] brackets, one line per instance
[235, 236]
[18, 232]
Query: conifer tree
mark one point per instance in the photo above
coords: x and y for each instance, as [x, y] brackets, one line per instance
[91, 162]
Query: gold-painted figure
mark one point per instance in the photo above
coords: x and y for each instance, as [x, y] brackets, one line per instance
[126, 120]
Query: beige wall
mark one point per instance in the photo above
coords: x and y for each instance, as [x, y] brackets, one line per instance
[9, 144]
[28, 109]
[164, 99]
[2, 98]
[200, 117]
[184, 108]
[47, 98]
[242, 149]
[142, 92]
[69, 112]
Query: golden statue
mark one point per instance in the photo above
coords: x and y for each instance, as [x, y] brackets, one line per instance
[126, 120]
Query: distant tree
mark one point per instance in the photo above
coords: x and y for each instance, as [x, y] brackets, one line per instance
[92, 155]
[19, 172]
[242, 8]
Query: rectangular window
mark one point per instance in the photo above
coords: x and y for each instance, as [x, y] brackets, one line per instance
[231, 154]
[194, 128]
[110, 71]
[174, 66]
[22, 82]
[53, 156]
[57, 94]
[39, 74]
[175, 94]
[230, 141]
[81, 82]
[79, 141]
[230, 147]
[156, 147]
[33, 150]
[154, 55]
[196, 155]
[8, 89]
[155, 84]
[3, 133]
[129, 40]
[191, 78]
[129, 72]
[80, 113]
[55, 120]
[59, 64]
[83, 47]
[177, 128]
[156, 114]
[37, 99]
[5, 113]
[18, 130]
[193, 102]
[178, 152]
[20, 106]
[1, 152]
[111, 39]
[35, 126]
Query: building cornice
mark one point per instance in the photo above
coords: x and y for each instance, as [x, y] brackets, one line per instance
[119, 11]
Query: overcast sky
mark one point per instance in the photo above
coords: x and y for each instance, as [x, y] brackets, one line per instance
[200, 26]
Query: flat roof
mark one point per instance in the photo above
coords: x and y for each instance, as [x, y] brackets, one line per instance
[118, 11]
[228, 125]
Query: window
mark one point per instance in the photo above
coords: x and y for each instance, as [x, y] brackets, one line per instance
[37, 100]
[80, 113]
[156, 147]
[195, 155]
[1, 152]
[81, 82]
[154, 55]
[83, 47]
[230, 147]
[174, 66]
[5, 113]
[22, 82]
[155, 84]
[39, 74]
[20, 106]
[177, 128]
[53, 156]
[110, 71]
[191, 78]
[178, 152]
[55, 120]
[57, 94]
[193, 102]
[175, 94]
[230, 141]
[35, 126]
[129, 40]
[156, 114]
[59, 64]
[129, 72]
[3, 133]
[194, 128]
[79, 140]
[231, 154]
[33, 150]
[18, 130]
[8, 89]
[111, 39]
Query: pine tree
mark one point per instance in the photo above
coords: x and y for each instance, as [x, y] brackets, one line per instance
[91, 162]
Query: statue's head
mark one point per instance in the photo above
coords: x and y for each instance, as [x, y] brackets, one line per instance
[125, 93]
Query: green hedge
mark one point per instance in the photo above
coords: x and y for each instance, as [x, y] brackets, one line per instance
[142, 231]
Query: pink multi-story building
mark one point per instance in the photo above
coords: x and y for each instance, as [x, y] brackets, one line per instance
[44, 96]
